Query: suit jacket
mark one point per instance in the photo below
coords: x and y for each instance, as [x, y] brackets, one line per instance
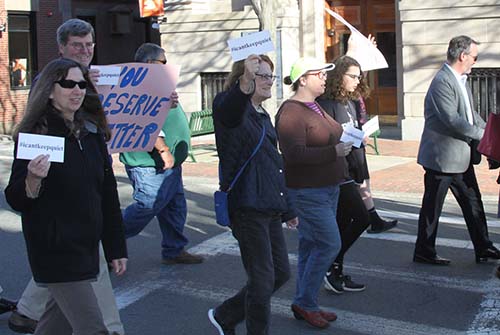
[445, 145]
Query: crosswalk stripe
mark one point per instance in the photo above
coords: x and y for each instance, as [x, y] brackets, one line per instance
[226, 244]
[348, 321]
[457, 220]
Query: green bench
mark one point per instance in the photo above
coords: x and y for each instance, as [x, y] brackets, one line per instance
[374, 146]
[200, 123]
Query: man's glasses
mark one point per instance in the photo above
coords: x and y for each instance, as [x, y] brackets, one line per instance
[82, 46]
[266, 76]
[159, 61]
[319, 74]
[65, 83]
[473, 57]
[354, 76]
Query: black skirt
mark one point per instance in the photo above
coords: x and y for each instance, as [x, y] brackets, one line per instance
[358, 167]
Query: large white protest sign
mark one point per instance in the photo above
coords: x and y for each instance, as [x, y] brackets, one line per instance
[352, 134]
[30, 146]
[256, 43]
[371, 126]
[108, 75]
[137, 106]
[367, 55]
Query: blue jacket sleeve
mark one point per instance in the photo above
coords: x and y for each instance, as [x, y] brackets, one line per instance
[229, 106]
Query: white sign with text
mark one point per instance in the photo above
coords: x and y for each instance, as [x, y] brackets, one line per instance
[30, 146]
[256, 43]
[108, 75]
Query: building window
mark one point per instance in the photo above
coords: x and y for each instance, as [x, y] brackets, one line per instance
[21, 48]
[211, 84]
[485, 86]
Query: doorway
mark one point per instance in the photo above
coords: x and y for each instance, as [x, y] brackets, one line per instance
[376, 17]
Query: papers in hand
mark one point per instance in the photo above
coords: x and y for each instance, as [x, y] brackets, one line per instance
[371, 126]
[352, 134]
[30, 146]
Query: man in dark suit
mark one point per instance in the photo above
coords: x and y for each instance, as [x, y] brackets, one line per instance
[447, 153]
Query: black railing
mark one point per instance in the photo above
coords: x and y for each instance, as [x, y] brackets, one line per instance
[485, 85]
[211, 84]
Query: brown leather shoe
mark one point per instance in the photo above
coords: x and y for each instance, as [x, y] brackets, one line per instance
[314, 318]
[183, 258]
[328, 316]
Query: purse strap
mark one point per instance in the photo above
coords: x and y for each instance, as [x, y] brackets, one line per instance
[238, 174]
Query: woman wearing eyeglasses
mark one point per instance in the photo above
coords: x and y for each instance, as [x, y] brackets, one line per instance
[68, 207]
[314, 166]
[340, 101]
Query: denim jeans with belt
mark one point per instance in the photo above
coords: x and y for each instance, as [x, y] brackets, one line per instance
[319, 240]
[158, 193]
[265, 258]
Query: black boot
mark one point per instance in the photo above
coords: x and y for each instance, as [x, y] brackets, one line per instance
[379, 225]
[7, 305]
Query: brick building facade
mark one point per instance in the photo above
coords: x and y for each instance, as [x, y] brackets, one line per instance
[31, 30]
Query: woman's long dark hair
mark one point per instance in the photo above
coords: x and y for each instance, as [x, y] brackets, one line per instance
[39, 102]
[335, 80]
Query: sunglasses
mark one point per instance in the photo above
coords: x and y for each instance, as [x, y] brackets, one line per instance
[64, 83]
[473, 57]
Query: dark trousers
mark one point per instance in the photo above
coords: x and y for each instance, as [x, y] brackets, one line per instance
[265, 258]
[352, 217]
[465, 189]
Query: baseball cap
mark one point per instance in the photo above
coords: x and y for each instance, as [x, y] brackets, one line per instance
[304, 65]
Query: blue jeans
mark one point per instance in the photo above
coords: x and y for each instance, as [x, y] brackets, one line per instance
[319, 240]
[158, 193]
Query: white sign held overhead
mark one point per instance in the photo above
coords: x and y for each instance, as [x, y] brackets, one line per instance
[256, 43]
[30, 146]
[367, 54]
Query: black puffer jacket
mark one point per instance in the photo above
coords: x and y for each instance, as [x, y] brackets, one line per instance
[238, 128]
[77, 207]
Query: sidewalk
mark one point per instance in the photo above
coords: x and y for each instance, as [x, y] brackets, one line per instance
[394, 170]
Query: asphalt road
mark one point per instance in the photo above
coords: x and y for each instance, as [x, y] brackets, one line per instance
[402, 298]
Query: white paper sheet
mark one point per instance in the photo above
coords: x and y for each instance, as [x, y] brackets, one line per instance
[352, 134]
[371, 126]
[367, 55]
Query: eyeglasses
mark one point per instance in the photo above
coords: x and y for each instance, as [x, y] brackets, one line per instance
[473, 57]
[64, 83]
[160, 61]
[266, 76]
[354, 76]
[319, 74]
[82, 46]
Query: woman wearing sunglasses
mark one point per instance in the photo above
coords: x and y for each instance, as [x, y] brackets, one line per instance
[67, 208]
[314, 166]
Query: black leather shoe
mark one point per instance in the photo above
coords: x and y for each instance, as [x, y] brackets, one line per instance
[491, 252]
[435, 260]
[7, 306]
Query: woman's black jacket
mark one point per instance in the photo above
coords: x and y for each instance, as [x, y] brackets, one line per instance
[77, 207]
